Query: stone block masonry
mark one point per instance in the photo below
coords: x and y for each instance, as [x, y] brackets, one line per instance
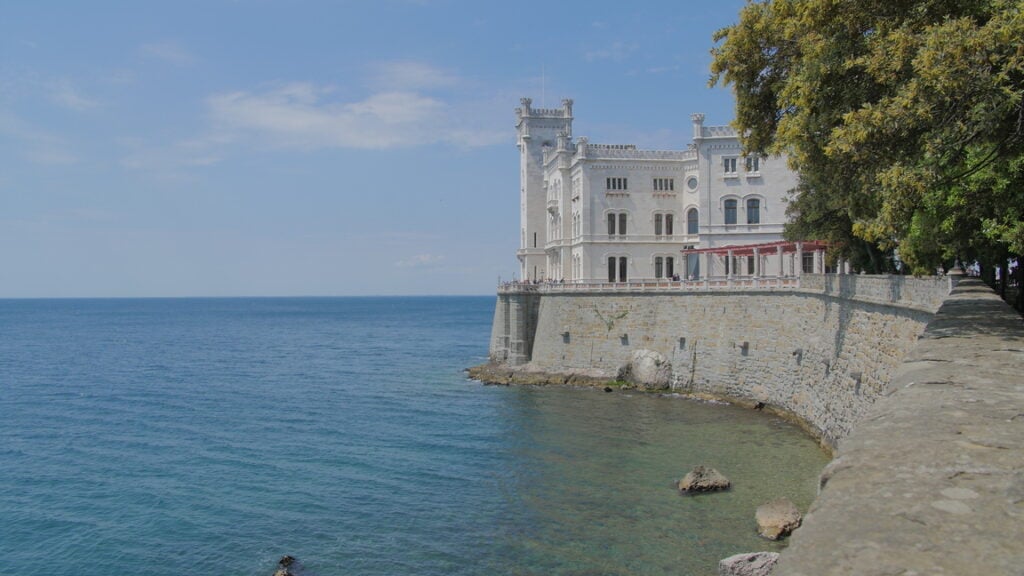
[920, 390]
[932, 479]
[823, 352]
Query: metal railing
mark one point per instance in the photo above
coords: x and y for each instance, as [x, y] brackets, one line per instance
[702, 285]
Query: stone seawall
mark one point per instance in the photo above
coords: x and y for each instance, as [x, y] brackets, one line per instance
[932, 480]
[923, 392]
[823, 353]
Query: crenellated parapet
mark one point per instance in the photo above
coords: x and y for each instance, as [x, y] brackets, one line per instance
[526, 110]
[630, 152]
[718, 132]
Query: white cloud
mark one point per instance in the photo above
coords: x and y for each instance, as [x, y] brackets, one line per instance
[420, 261]
[411, 75]
[616, 52]
[663, 69]
[168, 52]
[39, 146]
[27, 84]
[173, 161]
[67, 96]
[297, 115]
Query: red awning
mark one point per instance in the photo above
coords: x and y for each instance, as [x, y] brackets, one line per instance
[766, 248]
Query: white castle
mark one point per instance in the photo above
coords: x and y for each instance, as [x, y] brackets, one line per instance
[613, 213]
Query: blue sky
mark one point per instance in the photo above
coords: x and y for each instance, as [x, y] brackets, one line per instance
[232, 148]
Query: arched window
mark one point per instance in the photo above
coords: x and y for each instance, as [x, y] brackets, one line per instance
[617, 264]
[663, 224]
[753, 211]
[692, 221]
[730, 211]
[664, 266]
[621, 219]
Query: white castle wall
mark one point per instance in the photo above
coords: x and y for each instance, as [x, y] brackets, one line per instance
[824, 352]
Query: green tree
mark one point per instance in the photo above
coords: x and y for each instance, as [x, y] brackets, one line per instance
[904, 118]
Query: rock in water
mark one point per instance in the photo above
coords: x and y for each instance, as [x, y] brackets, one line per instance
[286, 560]
[647, 369]
[777, 518]
[703, 479]
[754, 564]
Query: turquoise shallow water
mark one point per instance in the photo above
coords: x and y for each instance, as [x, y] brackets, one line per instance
[214, 435]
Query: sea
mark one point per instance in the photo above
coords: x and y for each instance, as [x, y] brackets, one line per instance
[213, 436]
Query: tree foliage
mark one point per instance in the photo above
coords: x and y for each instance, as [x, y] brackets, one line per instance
[904, 118]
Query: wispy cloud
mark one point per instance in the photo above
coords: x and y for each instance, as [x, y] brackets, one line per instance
[173, 161]
[27, 84]
[616, 52]
[65, 95]
[301, 115]
[411, 75]
[38, 146]
[420, 261]
[169, 52]
[663, 69]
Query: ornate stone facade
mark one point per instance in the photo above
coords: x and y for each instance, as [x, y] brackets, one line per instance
[613, 213]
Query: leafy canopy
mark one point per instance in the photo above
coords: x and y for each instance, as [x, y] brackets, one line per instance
[904, 118]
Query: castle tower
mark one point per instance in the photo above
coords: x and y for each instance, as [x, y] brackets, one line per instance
[536, 128]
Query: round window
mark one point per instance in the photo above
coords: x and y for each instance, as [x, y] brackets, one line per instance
[691, 183]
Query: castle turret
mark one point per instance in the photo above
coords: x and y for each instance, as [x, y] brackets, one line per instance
[698, 125]
[536, 129]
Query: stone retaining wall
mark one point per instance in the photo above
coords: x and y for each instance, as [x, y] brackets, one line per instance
[929, 473]
[823, 352]
[932, 480]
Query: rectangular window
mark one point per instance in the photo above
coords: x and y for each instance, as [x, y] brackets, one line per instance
[753, 211]
[668, 224]
[664, 184]
[730, 211]
[808, 263]
[750, 265]
[658, 263]
[622, 269]
[611, 224]
[611, 269]
[622, 224]
[753, 164]
[729, 166]
[669, 267]
[658, 224]
[616, 183]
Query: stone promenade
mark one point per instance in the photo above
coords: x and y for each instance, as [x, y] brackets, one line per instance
[932, 481]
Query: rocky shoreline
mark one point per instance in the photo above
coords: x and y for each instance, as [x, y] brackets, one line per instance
[496, 374]
[499, 375]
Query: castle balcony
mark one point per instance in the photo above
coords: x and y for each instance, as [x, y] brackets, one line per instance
[524, 252]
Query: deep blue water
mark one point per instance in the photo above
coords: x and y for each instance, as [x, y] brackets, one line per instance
[211, 436]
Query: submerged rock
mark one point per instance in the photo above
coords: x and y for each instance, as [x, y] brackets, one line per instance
[777, 518]
[703, 479]
[752, 564]
[647, 369]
